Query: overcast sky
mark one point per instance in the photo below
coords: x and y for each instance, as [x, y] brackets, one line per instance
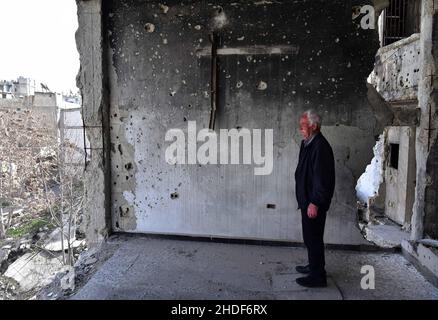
[38, 41]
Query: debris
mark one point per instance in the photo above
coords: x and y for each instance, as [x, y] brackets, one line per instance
[4, 254]
[68, 280]
[90, 261]
[54, 243]
[33, 270]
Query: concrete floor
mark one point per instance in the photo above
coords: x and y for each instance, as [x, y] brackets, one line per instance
[151, 268]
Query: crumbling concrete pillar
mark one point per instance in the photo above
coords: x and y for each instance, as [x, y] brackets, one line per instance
[427, 103]
[91, 82]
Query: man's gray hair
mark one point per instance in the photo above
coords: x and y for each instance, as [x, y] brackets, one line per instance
[313, 117]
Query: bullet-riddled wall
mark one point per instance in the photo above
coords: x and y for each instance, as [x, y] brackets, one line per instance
[275, 60]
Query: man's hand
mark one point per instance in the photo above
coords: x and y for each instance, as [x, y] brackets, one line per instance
[312, 211]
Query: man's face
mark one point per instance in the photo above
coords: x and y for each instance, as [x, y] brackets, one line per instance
[306, 130]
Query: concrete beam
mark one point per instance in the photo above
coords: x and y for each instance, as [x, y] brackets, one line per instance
[91, 82]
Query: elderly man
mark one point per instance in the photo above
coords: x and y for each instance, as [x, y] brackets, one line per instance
[315, 183]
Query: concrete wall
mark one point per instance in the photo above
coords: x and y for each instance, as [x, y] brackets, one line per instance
[14, 103]
[71, 131]
[157, 81]
[400, 181]
[49, 99]
[424, 209]
[427, 175]
[396, 72]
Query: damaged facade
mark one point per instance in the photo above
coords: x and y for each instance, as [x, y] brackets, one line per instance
[148, 66]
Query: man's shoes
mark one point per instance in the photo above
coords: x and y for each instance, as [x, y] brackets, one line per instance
[303, 269]
[312, 282]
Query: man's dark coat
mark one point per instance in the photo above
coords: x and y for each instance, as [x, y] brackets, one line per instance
[315, 174]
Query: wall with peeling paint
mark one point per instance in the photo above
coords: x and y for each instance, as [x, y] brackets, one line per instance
[159, 78]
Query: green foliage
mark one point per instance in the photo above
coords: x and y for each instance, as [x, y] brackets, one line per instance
[30, 227]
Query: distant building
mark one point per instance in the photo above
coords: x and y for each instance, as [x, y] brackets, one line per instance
[7, 89]
[59, 113]
[20, 88]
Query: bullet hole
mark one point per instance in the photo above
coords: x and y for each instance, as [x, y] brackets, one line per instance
[149, 27]
[271, 206]
[117, 224]
[127, 178]
[123, 212]
[113, 147]
[128, 166]
[164, 8]
[185, 119]
[115, 115]
[262, 85]
[174, 195]
[120, 149]
[238, 127]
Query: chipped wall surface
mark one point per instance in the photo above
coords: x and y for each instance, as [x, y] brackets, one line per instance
[159, 78]
[396, 72]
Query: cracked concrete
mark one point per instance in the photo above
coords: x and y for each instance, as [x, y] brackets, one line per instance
[156, 268]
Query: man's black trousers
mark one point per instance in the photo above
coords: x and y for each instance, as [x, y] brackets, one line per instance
[313, 236]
